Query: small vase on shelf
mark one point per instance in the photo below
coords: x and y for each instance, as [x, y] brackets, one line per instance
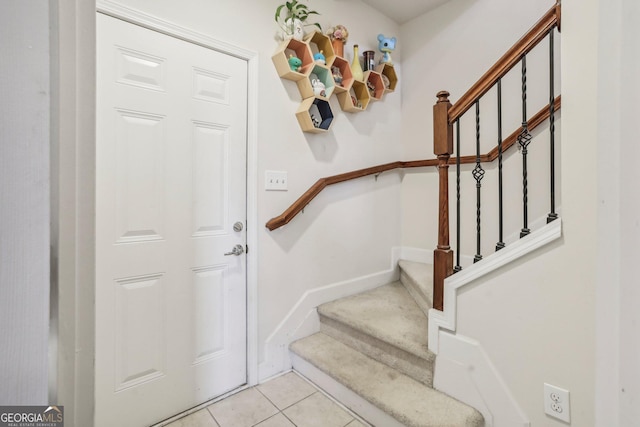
[369, 61]
[338, 36]
[338, 47]
[356, 68]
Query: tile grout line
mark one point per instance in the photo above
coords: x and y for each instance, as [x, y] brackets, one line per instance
[293, 404]
[213, 416]
[317, 390]
[205, 405]
[289, 419]
[349, 411]
[280, 411]
[272, 416]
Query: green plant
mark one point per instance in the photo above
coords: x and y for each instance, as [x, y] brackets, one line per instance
[294, 10]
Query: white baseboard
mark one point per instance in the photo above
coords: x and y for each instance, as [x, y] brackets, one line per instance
[464, 371]
[302, 319]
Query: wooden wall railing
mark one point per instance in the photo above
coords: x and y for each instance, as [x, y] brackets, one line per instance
[445, 115]
[299, 205]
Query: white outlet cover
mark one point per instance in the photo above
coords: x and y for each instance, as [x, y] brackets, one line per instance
[556, 402]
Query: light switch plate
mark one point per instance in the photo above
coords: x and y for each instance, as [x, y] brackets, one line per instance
[275, 180]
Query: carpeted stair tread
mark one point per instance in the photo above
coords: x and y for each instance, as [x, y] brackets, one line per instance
[407, 400]
[417, 277]
[387, 313]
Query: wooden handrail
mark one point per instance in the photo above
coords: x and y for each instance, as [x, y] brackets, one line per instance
[297, 206]
[523, 46]
[320, 184]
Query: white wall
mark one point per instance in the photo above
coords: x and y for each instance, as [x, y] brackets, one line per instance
[618, 374]
[534, 318]
[348, 231]
[608, 315]
[24, 202]
[630, 214]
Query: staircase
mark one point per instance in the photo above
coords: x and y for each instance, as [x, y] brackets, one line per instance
[371, 353]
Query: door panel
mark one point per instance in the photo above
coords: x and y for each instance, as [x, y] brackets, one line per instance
[170, 183]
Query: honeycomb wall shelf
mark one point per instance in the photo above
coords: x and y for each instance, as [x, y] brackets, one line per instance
[314, 114]
[389, 72]
[322, 73]
[285, 51]
[318, 109]
[375, 85]
[345, 71]
[356, 100]
[319, 42]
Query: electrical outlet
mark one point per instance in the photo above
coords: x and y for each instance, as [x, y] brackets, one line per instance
[275, 181]
[556, 402]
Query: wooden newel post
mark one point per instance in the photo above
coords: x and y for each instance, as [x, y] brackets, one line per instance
[442, 148]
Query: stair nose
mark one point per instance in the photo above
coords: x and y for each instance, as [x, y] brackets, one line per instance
[417, 277]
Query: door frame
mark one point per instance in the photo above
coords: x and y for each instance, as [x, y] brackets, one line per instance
[74, 178]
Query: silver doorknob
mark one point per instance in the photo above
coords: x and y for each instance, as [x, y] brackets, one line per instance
[237, 250]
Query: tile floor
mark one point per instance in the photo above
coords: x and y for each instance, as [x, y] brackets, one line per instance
[285, 401]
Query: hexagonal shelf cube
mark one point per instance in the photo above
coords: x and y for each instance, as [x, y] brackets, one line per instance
[340, 67]
[314, 115]
[356, 99]
[320, 43]
[374, 84]
[297, 49]
[390, 79]
[321, 73]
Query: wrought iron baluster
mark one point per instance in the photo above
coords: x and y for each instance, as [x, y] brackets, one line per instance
[457, 267]
[552, 129]
[478, 174]
[524, 139]
[500, 243]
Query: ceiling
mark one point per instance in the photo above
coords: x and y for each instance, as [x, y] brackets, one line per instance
[402, 11]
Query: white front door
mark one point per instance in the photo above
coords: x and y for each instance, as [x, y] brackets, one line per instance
[170, 186]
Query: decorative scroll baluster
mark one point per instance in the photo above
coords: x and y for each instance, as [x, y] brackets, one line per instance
[478, 174]
[552, 130]
[500, 243]
[458, 267]
[524, 139]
